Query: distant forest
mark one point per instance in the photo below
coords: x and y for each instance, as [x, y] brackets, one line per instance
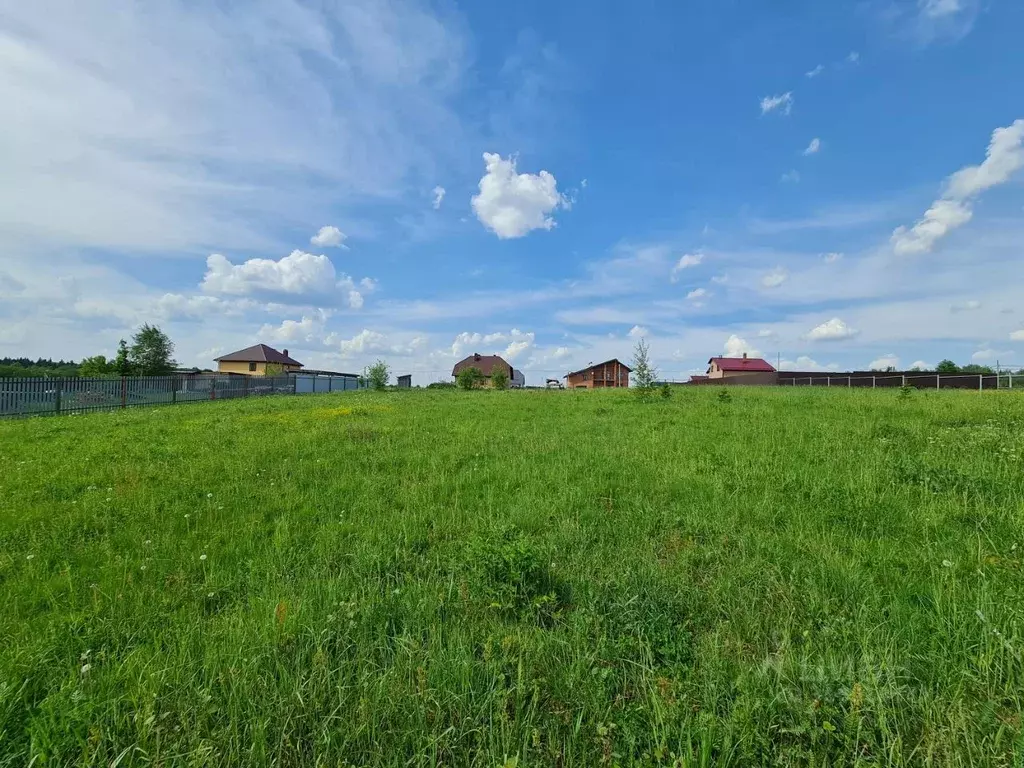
[25, 367]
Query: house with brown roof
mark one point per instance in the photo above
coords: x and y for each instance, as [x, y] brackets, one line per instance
[751, 370]
[252, 361]
[486, 364]
[610, 373]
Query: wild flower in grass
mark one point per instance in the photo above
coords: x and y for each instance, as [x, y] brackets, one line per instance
[202, 556]
[209, 594]
[947, 564]
[85, 669]
[142, 567]
[147, 542]
[108, 498]
[29, 557]
[187, 516]
[209, 495]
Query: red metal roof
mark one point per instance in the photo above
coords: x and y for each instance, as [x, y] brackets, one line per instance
[743, 364]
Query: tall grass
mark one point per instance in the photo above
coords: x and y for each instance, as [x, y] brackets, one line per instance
[786, 577]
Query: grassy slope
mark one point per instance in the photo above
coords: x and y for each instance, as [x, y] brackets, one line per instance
[563, 578]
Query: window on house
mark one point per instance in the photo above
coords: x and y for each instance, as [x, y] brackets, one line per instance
[252, 366]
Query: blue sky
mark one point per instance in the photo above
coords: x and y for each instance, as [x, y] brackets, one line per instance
[832, 185]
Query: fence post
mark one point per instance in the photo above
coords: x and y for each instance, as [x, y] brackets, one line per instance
[330, 384]
[904, 379]
[246, 386]
[213, 388]
[980, 387]
[174, 390]
[938, 381]
[828, 381]
[872, 382]
[57, 393]
[124, 391]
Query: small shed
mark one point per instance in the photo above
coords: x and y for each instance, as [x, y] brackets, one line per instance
[405, 382]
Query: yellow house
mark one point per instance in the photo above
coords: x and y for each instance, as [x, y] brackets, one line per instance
[252, 361]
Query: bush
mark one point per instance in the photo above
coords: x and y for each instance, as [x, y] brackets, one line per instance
[666, 391]
[513, 574]
[377, 376]
[499, 378]
[469, 378]
[724, 396]
[441, 385]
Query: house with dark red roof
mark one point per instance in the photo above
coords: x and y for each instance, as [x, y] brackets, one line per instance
[486, 364]
[733, 367]
[252, 361]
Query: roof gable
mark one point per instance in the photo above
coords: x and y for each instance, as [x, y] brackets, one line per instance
[484, 363]
[613, 361]
[258, 353]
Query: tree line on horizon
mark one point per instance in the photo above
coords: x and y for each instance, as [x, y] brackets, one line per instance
[150, 353]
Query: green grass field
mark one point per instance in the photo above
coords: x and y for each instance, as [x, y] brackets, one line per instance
[788, 577]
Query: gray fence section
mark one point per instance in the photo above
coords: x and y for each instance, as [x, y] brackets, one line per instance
[26, 397]
[306, 384]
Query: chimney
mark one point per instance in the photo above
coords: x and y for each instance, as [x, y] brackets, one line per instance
[476, 356]
[744, 354]
[286, 353]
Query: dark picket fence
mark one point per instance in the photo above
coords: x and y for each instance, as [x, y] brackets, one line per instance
[26, 397]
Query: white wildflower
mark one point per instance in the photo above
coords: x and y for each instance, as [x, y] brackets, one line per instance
[202, 556]
[85, 669]
[947, 564]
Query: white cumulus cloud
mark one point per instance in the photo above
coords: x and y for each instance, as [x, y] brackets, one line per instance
[832, 330]
[516, 342]
[816, 71]
[1003, 158]
[697, 294]
[920, 365]
[736, 346]
[783, 103]
[438, 193]
[1017, 335]
[775, 278]
[513, 204]
[298, 273]
[805, 363]
[814, 147]
[305, 330]
[329, 237]
[638, 332]
[368, 342]
[686, 261]
[883, 362]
